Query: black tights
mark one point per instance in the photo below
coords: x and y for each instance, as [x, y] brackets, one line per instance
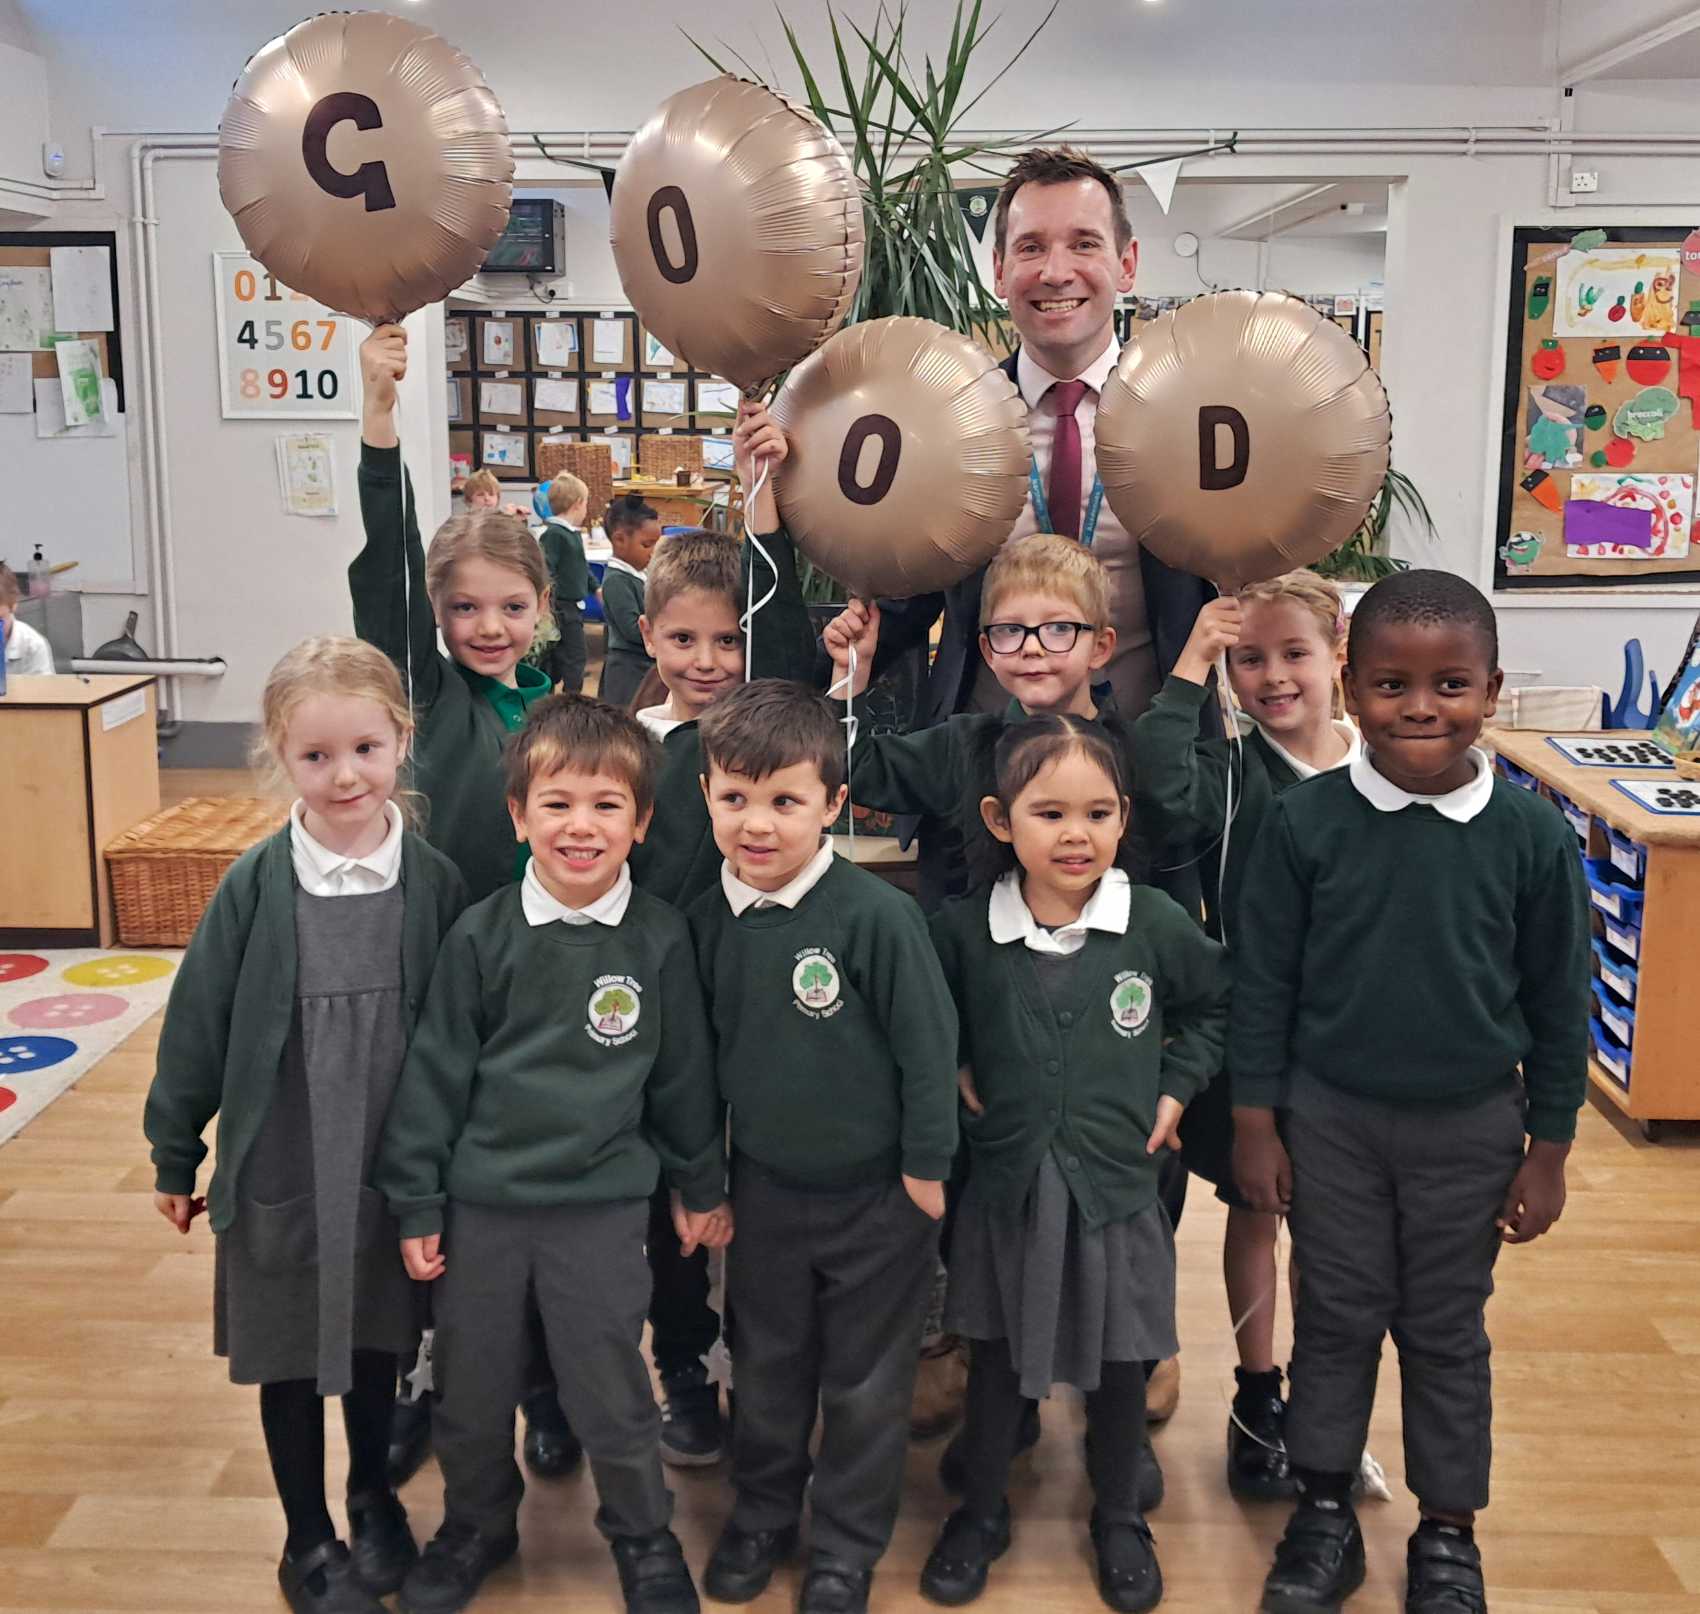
[293, 1414]
[1115, 1432]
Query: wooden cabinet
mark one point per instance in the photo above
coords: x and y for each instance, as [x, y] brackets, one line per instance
[1644, 888]
[80, 765]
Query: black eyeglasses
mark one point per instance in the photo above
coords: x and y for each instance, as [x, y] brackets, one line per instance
[1010, 638]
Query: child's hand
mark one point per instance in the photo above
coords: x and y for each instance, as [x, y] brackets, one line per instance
[423, 1257]
[1261, 1167]
[1536, 1197]
[1217, 629]
[1166, 1133]
[712, 1230]
[383, 362]
[970, 1094]
[179, 1209]
[928, 1196]
[757, 437]
[856, 627]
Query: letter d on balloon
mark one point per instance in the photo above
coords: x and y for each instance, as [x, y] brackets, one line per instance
[1213, 476]
[370, 180]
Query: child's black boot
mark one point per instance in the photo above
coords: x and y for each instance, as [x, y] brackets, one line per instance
[654, 1577]
[1444, 1571]
[1319, 1562]
[742, 1562]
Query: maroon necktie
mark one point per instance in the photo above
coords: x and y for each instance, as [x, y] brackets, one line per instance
[1064, 492]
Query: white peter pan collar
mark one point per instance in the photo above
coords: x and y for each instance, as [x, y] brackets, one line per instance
[1010, 919]
[741, 897]
[321, 872]
[542, 907]
[1460, 805]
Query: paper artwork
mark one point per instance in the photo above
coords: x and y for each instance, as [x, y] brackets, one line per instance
[608, 341]
[1630, 517]
[1616, 291]
[79, 381]
[1555, 426]
[1646, 414]
[604, 398]
[50, 418]
[557, 343]
[655, 356]
[454, 340]
[306, 471]
[664, 397]
[1520, 551]
[454, 398]
[717, 454]
[506, 449]
[17, 396]
[82, 288]
[499, 342]
[621, 450]
[501, 397]
[26, 310]
[557, 397]
[717, 398]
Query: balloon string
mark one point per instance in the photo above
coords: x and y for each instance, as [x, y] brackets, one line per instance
[1236, 756]
[752, 604]
[852, 727]
[406, 559]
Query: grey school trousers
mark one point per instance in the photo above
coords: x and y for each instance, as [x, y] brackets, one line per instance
[1393, 1229]
[827, 1296]
[586, 1265]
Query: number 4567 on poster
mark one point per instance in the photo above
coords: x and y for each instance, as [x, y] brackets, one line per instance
[281, 356]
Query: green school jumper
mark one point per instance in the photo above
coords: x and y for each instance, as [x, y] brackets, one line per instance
[569, 571]
[625, 662]
[462, 717]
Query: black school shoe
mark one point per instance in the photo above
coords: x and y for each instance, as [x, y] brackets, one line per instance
[692, 1434]
[953, 1462]
[410, 1440]
[322, 1581]
[834, 1586]
[551, 1448]
[653, 1575]
[1319, 1562]
[1444, 1570]
[452, 1568]
[383, 1547]
[1129, 1580]
[962, 1558]
[742, 1562]
[1258, 1467]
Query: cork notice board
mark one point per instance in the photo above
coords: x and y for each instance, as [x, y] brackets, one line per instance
[1600, 455]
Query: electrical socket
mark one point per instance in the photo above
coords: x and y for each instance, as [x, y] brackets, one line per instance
[1584, 181]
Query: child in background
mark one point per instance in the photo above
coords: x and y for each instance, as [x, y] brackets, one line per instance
[28, 654]
[1092, 1011]
[483, 491]
[837, 1054]
[1284, 639]
[562, 1052]
[1412, 931]
[569, 579]
[288, 1020]
[633, 530]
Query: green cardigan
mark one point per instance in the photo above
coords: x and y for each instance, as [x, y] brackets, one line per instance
[569, 571]
[1146, 1017]
[457, 746]
[622, 605]
[233, 1003]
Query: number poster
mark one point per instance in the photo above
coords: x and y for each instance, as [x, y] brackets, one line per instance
[281, 356]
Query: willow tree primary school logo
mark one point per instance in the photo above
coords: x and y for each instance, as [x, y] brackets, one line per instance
[1130, 1003]
[815, 984]
[615, 1004]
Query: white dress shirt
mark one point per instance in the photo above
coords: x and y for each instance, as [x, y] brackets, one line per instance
[542, 907]
[1305, 770]
[28, 654]
[1133, 668]
[1460, 805]
[741, 897]
[1009, 919]
[321, 872]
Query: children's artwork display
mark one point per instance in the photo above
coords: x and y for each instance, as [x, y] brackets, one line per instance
[1600, 451]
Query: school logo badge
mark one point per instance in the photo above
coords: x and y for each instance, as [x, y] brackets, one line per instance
[616, 1003]
[1130, 1002]
[815, 983]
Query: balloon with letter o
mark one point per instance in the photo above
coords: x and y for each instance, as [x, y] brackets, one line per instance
[366, 163]
[908, 457]
[736, 223]
[1242, 435]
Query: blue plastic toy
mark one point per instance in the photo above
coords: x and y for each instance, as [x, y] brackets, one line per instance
[1624, 713]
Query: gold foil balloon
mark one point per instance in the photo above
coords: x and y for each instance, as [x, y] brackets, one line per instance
[366, 163]
[1242, 435]
[737, 230]
[909, 457]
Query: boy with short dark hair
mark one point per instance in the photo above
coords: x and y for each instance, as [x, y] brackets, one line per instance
[837, 1054]
[1413, 930]
[562, 1055]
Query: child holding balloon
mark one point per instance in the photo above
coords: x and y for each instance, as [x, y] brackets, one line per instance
[1284, 640]
[289, 1020]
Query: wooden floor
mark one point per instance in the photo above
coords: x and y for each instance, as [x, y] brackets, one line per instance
[133, 1477]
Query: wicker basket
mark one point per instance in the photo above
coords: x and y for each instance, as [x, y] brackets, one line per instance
[165, 869]
[591, 463]
[664, 457]
[1688, 765]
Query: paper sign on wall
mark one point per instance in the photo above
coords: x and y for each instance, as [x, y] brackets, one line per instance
[306, 474]
[499, 342]
[608, 341]
[79, 381]
[664, 397]
[557, 397]
[50, 412]
[1628, 517]
[17, 396]
[82, 288]
[655, 356]
[604, 398]
[26, 310]
[1616, 291]
[557, 343]
[717, 398]
[506, 449]
[501, 397]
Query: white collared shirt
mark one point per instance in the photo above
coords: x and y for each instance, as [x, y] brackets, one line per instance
[1305, 770]
[659, 720]
[741, 897]
[1132, 671]
[28, 654]
[542, 907]
[1460, 805]
[321, 872]
[615, 564]
[1010, 919]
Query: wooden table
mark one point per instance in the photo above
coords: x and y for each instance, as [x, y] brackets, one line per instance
[1665, 1068]
[81, 764]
